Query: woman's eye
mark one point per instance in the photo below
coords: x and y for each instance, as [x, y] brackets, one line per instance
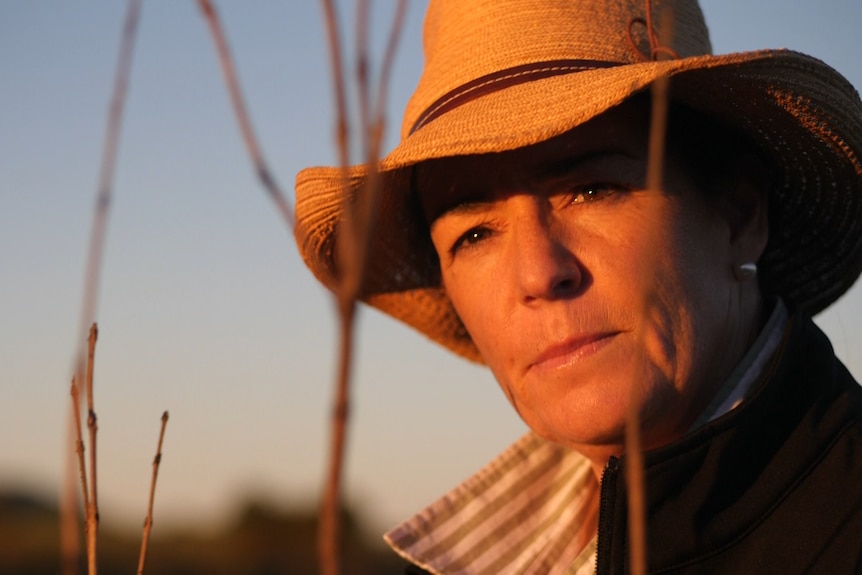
[470, 238]
[592, 193]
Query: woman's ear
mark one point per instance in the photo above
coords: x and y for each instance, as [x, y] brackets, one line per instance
[745, 207]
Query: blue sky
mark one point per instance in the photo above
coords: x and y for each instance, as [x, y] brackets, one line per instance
[205, 308]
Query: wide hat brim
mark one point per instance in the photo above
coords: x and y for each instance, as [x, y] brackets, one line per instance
[802, 114]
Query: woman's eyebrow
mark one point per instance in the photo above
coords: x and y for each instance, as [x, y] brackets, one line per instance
[564, 166]
[463, 207]
[470, 203]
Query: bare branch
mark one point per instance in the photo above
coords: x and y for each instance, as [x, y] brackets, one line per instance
[92, 426]
[658, 129]
[635, 483]
[230, 78]
[373, 130]
[329, 532]
[98, 229]
[386, 72]
[106, 174]
[334, 36]
[148, 522]
[635, 474]
[329, 528]
[70, 545]
[79, 443]
[362, 70]
[352, 242]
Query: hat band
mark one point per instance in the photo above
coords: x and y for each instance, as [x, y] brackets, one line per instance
[505, 79]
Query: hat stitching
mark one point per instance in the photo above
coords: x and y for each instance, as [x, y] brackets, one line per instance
[467, 92]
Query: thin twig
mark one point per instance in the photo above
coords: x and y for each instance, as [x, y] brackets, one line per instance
[374, 121]
[635, 468]
[658, 130]
[106, 174]
[70, 543]
[386, 68]
[362, 69]
[148, 522]
[635, 484]
[334, 36]
[329, 527]
[635, 465]
[230, 78]
[98, 229]
[375, 132]
[350, 232]
[79, 443]
[352, 241]
[92, 426]
[328, 531]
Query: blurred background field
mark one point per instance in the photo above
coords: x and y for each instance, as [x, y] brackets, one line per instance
[260, 540]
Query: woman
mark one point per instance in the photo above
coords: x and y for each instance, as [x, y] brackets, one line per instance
[516, 228]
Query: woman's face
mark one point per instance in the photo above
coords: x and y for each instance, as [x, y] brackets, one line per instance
[584, 291]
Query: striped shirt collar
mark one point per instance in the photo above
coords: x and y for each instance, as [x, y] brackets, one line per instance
[523, 511]
[519, 514]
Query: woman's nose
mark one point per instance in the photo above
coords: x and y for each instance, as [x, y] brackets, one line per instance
[545, 266]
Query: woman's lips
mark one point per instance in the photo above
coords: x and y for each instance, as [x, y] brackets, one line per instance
[571, 351]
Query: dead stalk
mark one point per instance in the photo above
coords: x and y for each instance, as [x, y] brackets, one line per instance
[70, 544]
[658, 129]
[329, 532]
[230, 78]
[386, 71]
[373, 128]
[92, 426]
[635, 465]
[352, 241]
[98, 231]
[635, 483]
[329, 527]
[334, 37]
[148, 522]
[635, 469]
[79, 443]
[106, 174]
[362, 68]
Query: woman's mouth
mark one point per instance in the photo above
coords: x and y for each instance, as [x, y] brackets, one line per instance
[571, 351]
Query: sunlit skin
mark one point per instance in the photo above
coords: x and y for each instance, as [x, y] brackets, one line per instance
[577, 284]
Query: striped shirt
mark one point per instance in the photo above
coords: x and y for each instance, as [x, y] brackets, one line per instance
[533, 509]
[520, 514]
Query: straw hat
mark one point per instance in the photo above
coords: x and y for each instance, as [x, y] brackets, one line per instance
[503, 74]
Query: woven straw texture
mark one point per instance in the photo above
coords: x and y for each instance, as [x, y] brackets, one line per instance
[803, 115]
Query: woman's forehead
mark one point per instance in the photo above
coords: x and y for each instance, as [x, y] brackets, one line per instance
[446, 182]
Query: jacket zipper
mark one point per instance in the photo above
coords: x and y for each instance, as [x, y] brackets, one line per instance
[607, 499]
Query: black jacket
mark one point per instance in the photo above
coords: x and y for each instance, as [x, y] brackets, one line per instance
[774, 486]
